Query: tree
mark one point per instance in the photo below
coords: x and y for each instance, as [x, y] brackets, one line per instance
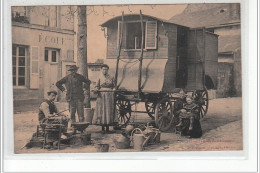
[82, 49]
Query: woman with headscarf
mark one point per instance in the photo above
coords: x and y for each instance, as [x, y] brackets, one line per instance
[104, 111]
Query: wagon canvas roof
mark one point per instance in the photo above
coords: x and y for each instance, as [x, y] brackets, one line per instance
[128, 16]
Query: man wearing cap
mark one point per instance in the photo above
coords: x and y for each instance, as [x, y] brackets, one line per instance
[74, 84]
[47, 107]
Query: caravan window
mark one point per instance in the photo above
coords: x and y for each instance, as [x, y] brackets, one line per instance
[132, 35]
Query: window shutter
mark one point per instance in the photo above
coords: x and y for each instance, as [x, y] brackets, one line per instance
[119, 34]
[34, 70]
[151, 35]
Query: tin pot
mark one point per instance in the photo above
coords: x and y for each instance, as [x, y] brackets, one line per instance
[122, 142]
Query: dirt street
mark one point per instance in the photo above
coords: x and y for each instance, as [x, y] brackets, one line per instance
[222, 130]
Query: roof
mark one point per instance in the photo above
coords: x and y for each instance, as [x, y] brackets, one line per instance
[132, 16]
[208, 17]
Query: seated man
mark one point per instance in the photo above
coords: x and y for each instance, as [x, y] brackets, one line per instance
[190, 111]
[48, 115]
[47, 107]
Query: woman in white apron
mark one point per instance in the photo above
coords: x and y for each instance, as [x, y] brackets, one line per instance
[104, 111]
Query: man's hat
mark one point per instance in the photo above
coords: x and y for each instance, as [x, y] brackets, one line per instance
[52, 91]
[73, 67]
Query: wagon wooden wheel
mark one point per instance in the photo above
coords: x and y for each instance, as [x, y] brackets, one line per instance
[123, 111]
[150, 108]
[202, 98]
[163, 114]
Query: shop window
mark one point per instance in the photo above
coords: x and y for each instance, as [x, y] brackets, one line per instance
[132, 35]
[19, 65]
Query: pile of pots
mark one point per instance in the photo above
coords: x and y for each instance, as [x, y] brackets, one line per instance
[137, 137]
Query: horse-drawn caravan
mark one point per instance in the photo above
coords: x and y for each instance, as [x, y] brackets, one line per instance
[153, 58]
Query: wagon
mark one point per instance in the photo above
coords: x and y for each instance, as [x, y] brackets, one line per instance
[153, 59]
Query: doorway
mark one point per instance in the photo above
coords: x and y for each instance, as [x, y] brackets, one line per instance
[51, 58]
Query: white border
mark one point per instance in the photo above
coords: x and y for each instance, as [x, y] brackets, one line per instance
[171, 161]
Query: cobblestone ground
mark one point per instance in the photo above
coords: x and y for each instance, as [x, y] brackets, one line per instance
[222, 130]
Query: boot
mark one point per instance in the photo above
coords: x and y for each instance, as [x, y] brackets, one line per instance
[107, 128]
[103, 129]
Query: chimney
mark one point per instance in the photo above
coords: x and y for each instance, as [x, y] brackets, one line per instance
[234, 11]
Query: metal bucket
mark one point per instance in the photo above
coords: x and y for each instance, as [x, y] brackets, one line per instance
[102, 147]
[88, 115]
[86, 138]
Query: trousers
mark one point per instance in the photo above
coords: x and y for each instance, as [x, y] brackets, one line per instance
[76, 105]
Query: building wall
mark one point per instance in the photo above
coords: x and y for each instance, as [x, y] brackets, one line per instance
[43, 32]
[237, 72]
[52, 16]
[230, 41]
[225, 71]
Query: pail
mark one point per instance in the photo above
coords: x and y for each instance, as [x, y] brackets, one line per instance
[102, 147]
[88, 115]
[86, 138]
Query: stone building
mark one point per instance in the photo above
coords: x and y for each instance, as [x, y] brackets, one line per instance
[42, 50]
[224, 20]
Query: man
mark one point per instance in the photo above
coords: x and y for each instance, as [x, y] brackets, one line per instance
[74, 84]
[47, 107]
[48, 113]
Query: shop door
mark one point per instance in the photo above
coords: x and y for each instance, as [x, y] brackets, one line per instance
[51, 58]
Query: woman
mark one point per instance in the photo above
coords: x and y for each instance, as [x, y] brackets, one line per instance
[190, 112]
[104, 113]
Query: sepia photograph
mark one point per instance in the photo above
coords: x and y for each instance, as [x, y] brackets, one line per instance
[127, 78]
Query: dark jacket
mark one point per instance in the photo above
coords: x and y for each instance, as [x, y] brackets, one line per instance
[74, 85]
[52, 109]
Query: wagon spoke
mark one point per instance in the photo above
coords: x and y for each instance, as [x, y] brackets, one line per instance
[128, 116]
[167, 104]
[202, 109]
[124, 119]
[169, 108]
